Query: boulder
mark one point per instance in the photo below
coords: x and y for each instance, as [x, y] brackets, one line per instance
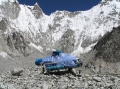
[11, 86]
[2, 86]
[17, 71]
[97, 79]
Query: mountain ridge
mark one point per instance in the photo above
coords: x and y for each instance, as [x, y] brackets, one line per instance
[50, 32]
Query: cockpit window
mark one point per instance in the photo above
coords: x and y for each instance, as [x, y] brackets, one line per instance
[76, 61]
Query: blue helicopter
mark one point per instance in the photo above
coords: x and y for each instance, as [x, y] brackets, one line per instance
[59, 60]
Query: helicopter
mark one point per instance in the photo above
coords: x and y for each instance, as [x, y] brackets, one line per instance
[58, 60]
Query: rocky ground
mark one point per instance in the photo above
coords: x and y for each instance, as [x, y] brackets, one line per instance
[32, 78]
[22, 73]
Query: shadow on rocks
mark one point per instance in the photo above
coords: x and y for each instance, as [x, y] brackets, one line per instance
[60, 72]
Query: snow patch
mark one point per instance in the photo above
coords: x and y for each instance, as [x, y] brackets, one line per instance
[36, 47]
[5, 55]
[80, 50]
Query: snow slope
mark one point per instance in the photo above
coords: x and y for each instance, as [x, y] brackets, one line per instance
[47, 31]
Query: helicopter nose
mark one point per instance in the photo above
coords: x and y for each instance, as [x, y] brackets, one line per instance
[38, 61]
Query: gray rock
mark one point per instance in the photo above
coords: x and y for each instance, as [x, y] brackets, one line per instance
[45, 86]
[91, 82]
[108, 84]
[62, 86]
[17, 71]
[11, 86]
[2, 86]
[86, 85]
[113, 87]
[97, 79]
[66, 79]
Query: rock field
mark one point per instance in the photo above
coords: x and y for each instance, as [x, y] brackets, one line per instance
[32, 78]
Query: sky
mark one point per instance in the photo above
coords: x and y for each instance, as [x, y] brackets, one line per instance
[50, 6]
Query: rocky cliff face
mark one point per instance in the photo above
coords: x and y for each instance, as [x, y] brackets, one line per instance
[107, 52]
[37, 11]
[66, 44]
[108, 47]
[10, 9]
[17, 42]
[105, 56]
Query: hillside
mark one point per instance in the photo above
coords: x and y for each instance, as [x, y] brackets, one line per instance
[104, 58]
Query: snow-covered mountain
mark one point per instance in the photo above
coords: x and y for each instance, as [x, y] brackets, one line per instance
[24, 28]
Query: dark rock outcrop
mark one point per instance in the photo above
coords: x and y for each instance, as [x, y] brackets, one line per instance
[104, 58]
[108, 47]
[3, 23]
[37, 11]
[67, 42]
[17, 41]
